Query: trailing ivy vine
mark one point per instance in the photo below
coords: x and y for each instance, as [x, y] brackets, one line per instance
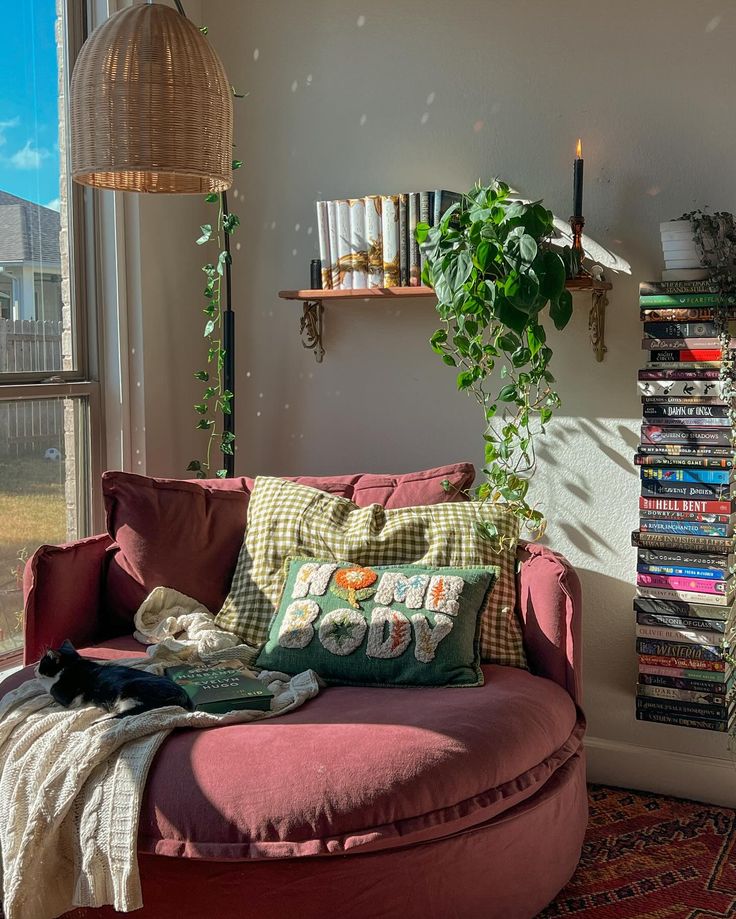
[215, 398]
[494, 272]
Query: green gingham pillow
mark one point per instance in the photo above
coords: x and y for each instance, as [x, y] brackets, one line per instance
[286, 518]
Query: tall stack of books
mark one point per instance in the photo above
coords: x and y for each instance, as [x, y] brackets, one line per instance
[685, 582]
[369, 242]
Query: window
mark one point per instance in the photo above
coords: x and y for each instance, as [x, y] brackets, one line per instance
[49, 393]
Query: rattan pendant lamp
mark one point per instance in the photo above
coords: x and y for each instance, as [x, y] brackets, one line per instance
[151, 110]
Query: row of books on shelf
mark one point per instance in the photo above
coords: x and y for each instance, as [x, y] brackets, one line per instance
[370, 242]
[685, 562]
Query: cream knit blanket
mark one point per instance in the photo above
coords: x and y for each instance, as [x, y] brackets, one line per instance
[71, 781]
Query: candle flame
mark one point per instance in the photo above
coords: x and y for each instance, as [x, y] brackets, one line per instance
[579, 149]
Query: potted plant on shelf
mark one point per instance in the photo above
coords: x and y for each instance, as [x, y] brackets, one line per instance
[494, 273]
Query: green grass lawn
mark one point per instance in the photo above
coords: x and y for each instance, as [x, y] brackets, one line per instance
[32, 512]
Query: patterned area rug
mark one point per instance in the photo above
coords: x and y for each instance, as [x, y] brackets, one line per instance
[651, 857]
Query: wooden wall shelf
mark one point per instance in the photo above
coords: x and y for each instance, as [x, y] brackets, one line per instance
[313, 310]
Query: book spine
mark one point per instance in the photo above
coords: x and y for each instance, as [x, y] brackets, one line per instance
[698, 585]
[685, 410]
[685, 355]
[390, 231]
[443, 201]
[424, 217]
[698, 682]
[654, 488]
[681, 709]
[722, 519]
[685, 506]
[662, 330]
[404, 240]
[679, 635]
[680, 663]
[681, 622]
[698, 610]
[701, 723]
[673, 557]
[332, 233]
[358, 243]
[684, 344]
[674, 288]
[344, 256]
[671, 374]
[694, 452]
[684, 314]
[374, 240]
[673, 571]
[693, 696]
[684, 528]
[686, 476]
[661, 459]
[685, 596]
[691, 424]
[674, 434]
[414, 260]
[713, 678]
[685, 543]
[323, 232]
[689, 301]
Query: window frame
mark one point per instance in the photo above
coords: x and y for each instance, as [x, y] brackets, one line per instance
[84, 381]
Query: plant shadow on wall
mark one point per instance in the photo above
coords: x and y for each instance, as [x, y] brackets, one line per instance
[494, 271]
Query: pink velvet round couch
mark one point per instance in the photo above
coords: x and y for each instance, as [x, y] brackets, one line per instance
[365, 803]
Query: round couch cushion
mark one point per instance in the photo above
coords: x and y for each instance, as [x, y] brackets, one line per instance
[355, 769]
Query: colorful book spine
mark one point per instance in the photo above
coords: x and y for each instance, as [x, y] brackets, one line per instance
[675, 288]
[678, 434]
[685, 355]
[344, 257]
[414, 259]
[671, 375]
[404, 240]
[390, 232]
[663, 330]
[374, 240]
[694, 680]
[685, 505]
[673, 694]
[656, 488]
[689, 301]
[680, 622]
[686, 596]
[358, 243]
[684, 528]
[673, 571]
[684, 314]
[675, 557]
[685, 636]
[694, 452]
[685, 543]
[663, 459]
[325, 253]
[699, 585]
[686, 411]
[660, 717]
[693, 345]
[660, 659]
[705, 670]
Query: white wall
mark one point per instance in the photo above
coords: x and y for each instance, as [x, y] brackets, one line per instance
[348, 98]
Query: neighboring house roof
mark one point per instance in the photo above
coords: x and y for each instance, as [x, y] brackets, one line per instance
[28, 231]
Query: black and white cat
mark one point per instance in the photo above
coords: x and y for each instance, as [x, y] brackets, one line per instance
[73, 681]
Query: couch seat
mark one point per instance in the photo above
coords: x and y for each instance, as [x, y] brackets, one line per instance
[354, 770]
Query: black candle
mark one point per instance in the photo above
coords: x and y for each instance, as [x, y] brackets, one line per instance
[577, 183]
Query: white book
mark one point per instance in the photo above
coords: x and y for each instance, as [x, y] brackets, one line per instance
[390, 231]
[358, 245]
[685, 274]
[679, 387]
[374, 240]
[323, 231]
[332, 234]
[684, 596]
[404, 240]
[344, 261]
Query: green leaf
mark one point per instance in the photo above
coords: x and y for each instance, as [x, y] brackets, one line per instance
[465, 379]
[209, 327]
[544, 415]
[511, 316]
[437, 340]
[201, 375]
[204, 29]
[230, 223]
[203, 424]
[552, 280]
[209, 392]
[536, 337]
[561, 310]
[421, 232]
[212, 197]
[527, 249]
[508, 393]
[237, 164]
[206, 236]
[194, 465]
[200, 408]
[221, 473]
[449, 360]
[521, 357]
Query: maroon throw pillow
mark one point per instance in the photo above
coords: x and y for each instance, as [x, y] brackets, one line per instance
[187, 534]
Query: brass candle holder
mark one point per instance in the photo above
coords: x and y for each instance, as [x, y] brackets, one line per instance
[576, 225]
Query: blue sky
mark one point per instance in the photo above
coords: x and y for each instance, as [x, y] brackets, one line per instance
[29, 156]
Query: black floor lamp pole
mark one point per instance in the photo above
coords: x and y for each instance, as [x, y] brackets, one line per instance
[228, 343]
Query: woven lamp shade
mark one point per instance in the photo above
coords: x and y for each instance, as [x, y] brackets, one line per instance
[151, 107]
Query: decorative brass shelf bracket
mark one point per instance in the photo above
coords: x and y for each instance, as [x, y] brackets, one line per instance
[310, 328]
[597, 323]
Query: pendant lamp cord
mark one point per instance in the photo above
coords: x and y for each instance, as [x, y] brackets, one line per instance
[228, 327]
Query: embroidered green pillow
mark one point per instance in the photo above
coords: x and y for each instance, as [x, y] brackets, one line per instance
[392, 625]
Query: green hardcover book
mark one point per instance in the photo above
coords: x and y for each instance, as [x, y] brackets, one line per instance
[220, 689]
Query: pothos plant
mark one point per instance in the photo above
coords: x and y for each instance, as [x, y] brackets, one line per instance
[215, 398]
[494, 274]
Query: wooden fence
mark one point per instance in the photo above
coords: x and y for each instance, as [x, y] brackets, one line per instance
[27, 344]
[30, 426]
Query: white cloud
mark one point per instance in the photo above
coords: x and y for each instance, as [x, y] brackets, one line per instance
[53, 205]
[5, 125]
[29, 157]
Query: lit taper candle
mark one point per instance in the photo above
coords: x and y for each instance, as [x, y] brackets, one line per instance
[577, 181]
